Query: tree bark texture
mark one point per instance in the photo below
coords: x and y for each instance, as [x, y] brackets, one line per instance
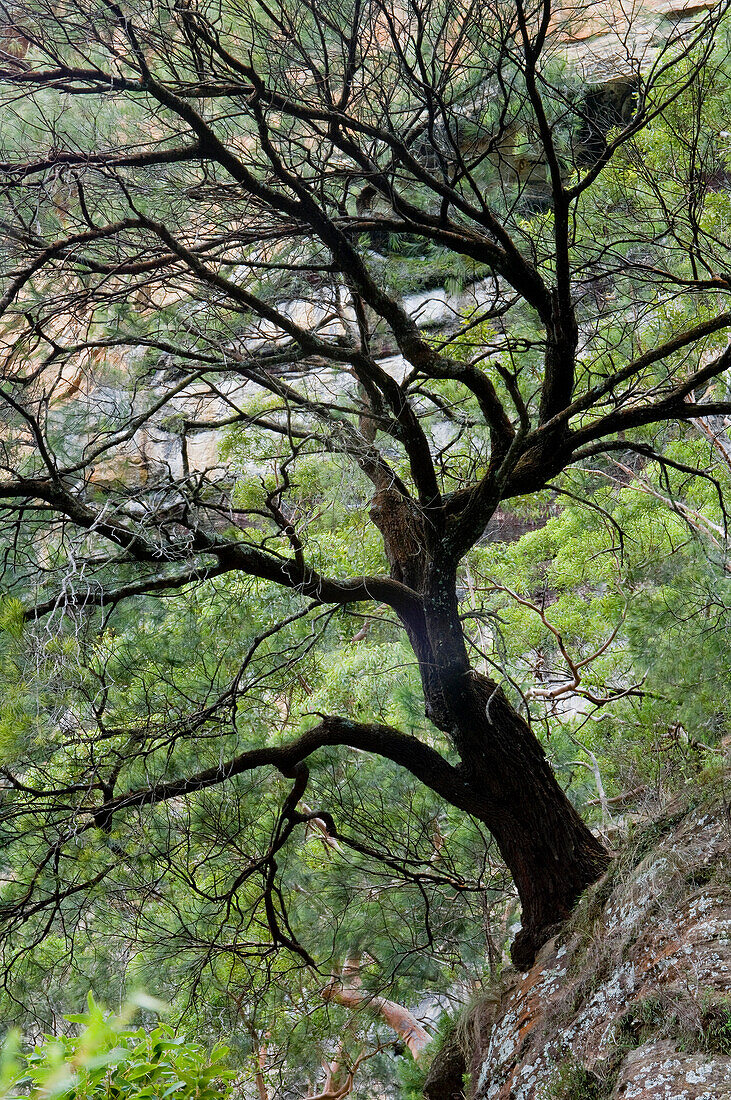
[550, 852]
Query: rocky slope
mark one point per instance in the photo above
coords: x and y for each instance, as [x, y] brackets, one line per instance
[632, 999]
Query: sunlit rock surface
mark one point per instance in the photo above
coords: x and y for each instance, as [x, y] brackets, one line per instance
[633, 999]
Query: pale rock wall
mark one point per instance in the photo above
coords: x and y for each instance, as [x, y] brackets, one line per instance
[632, 1001]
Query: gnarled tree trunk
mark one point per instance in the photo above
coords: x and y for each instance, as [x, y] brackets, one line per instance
[549, 851]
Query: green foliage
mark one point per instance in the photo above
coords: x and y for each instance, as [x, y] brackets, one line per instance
[629, 587]
[625, 588]
[412, 1075]
[411, 1078]
[11, 616]
[109, 1060]
[149, 673]
[694, 1021]
[716, 1027]
[572, 1081]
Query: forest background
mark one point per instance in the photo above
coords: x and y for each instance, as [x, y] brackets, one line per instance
[304, 573]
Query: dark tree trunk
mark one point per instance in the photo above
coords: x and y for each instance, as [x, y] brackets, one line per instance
[548, 849]
[550, 852]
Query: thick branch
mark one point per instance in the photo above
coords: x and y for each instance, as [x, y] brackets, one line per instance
[403, 1022]
[670, 347]
[423, 762]
[231, 555]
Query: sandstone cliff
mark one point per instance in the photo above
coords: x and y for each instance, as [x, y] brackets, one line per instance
[632, 999]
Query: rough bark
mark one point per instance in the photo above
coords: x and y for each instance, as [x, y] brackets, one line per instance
[549, 851]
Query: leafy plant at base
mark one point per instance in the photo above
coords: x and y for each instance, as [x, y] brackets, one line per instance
[109, 1060]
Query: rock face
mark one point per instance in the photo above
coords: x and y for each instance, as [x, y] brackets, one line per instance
[658, 1070]
[632, 1000]
[604, 40]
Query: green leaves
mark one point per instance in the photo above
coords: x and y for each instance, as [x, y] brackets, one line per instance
[11, 616]
[109, 1060]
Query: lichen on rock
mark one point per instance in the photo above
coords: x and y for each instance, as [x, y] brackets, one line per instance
[632, 999]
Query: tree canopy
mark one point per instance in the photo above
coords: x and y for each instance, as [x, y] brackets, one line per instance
[298, 301]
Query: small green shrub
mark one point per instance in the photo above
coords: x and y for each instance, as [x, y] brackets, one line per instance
[643, 1020]
[412, 1075]
[108, 1060]
[693, 1023]
[716, 1028]
[411, 1078]
[574, 1082]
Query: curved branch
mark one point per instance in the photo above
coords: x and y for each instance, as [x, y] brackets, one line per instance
[231, 556]
[398, 1018]
[148, 586]
[107, 160]
[423, 762]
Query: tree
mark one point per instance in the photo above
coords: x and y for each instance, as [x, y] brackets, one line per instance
[210, 213]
